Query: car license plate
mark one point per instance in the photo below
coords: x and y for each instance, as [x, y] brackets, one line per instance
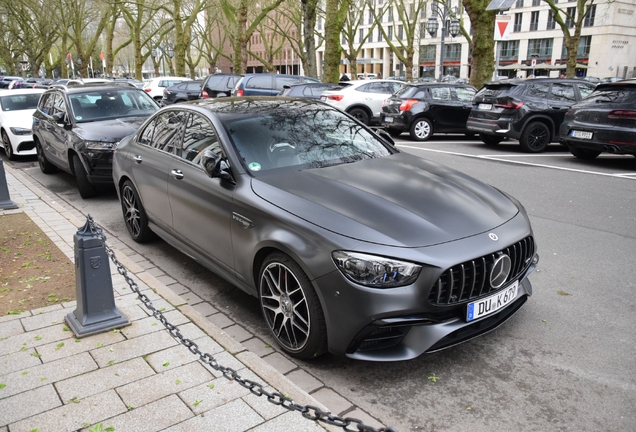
[484, 106]
[493, 303]
[581, 134]
[388, 119]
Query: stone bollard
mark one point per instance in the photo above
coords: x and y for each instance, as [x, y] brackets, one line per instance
[96, 311]
[5, 198]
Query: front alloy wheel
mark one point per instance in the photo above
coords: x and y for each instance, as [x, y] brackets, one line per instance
[134, 214]
[7, 146]
[291, 308]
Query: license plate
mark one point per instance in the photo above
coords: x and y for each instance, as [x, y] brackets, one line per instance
[388, 119]
[581, 134]
[493, 303]
[484, 106]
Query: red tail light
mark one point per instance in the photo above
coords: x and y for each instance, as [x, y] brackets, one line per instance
[511, 104]
[147, 89]
[204, 94]
[240, 92]
[622, 114]
[337, 98]
[407, 104]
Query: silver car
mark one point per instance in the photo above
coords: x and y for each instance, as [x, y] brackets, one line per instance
[349, 245]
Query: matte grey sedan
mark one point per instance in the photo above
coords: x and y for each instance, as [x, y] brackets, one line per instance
[350, 245]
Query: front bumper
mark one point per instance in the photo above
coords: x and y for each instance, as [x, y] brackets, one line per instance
[99, 166]
[23, 145]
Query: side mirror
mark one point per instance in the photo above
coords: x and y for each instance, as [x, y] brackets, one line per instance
[59, 117]
[214, 166]
[385, 136]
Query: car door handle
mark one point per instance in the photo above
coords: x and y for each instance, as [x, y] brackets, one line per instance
[178, 174]
[137, 159]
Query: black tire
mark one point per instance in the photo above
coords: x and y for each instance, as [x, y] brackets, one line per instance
[469, 135]
[134, 214]
[8, 149]
[491, 140]
[535, 137]
[292, 312]
[394, 132]
[582, 153]
[86, 189]
[421, 129]
[359, 114]
[45, 166]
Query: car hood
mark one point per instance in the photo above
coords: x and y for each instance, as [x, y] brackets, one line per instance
[109, 130]
[400, 200]
[20, 118]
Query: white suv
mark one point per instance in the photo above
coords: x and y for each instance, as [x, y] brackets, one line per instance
[154, 87]
[361, 99]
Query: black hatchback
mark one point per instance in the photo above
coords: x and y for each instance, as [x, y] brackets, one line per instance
[428, 108]
[604, 122]
[182, 92]
[529, 110]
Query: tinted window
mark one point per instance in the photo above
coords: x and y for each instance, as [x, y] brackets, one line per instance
[364, 88]
[193, 86]
[538, 90]
[181, 86]
[145, 137]
[199, 136]
[19, 102]
[441, 93]
[59, 105]
[622, 95]
[214, 80]
[585, 90]
[282, 81]
[46, 103]
[168, 131]
[379, 88]
[563, 92]
[259, 81]
[465, 94]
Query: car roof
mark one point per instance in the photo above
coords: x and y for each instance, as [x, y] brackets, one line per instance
[83, 88]
[617, 84]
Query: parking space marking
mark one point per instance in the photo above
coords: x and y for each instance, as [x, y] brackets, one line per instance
[499, 159]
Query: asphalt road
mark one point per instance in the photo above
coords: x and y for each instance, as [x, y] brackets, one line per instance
[565, 362]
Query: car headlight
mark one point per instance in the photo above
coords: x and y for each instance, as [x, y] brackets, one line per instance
[375, 271]
[20, 131]
[100, 145]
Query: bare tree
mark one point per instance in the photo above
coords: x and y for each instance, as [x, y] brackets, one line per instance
[335, 16]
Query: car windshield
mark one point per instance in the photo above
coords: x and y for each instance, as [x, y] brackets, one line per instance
[20, 102]
[111, 103]
[300, 135]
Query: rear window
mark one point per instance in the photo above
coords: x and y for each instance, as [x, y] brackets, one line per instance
[495, 90]
[407, 92]
[214, 80]
[615, 94]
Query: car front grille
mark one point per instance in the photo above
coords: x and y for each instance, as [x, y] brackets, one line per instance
[471, 279]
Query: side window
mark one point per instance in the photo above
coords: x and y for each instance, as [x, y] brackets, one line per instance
[128, 103]
[59, 106]
[46, 102]
[585, 90]
[440, 93]
[465, 94]
[281, 81]
[193, 86]
[538, 90]
[262, 82]
[199, 137]
[146, 135]
[364, 88]
[169, 131]
[563, 92]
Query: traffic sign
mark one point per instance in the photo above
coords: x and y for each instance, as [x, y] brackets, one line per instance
[502, 27]
[533, 62]
[25, 66]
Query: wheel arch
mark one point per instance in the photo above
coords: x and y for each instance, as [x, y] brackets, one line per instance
[360, 106]
[272, 247]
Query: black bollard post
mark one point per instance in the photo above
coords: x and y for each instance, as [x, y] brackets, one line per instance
[5, 198]
[96, 311]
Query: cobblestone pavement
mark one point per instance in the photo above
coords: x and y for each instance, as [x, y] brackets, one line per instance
[139, 378]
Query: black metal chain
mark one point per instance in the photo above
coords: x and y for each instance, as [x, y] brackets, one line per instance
[308, 411]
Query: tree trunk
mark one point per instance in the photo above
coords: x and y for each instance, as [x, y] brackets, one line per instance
[483, 44]
[336, 13]
[309, 24]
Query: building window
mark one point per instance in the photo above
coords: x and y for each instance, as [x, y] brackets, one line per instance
[411, 10]
[583, 50]
[400, 34]
[517, 27]
[452, 52]
[370, 16]
[389, 33]
[536, 2]
[551, 22]
[422, 30]
[519, 4]
[360, 35]
[569, 20]
[534, 21]
[320, 24]
[540, 47]
[428, 53]
[343, 40]
[390, 15]
[370, 37]
[589, 19]
[509, 50]
[380, 38]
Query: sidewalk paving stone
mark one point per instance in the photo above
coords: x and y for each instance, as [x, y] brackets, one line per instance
[304, 380]
[280, 362]
[136, 347]
[74, 416]
[289, 422]
[45, 319]
[262, 406]
[45, 374]
[236, 416]
[332, 400]
[179, 355]
[153, 417]
[11, 328]
[20, 360]
[24, 341]
[238, 333]
[163, 384]
[365, 418]
[220, 320]
[27, 404]
[74, 346]
[203, 398]
[204, 309]
[104, 379]
[258, 347]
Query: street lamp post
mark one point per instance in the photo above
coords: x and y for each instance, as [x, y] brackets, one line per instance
[444, 12]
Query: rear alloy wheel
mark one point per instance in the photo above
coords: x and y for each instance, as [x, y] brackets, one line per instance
[134, 214]
[86, 189]
[582, 153]
[360, 115]
[45, 166]
[291, 307]
[421, 130]
[491, 140]
[7, 146]
[535, 137]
